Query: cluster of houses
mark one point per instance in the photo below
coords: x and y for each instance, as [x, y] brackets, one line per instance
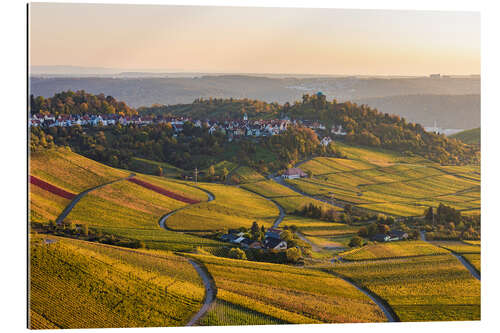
[231, 128]
[272, 240]
[68, 120]
[393, 235]
[245, 127]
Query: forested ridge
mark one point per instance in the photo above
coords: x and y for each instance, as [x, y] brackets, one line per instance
[79, 103]
[195, 147]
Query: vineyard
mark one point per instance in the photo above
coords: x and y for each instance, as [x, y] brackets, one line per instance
[225, 313]
[128, 210]
[44, 205]
[388, 183]
[233, 207]
[77, 284]
[244, 174]
[280, 293]
[429, 288]
[80, 284]
[395, 250]
[162, 191]
[287, 198]
[51, 188]
[71, 172]
[459, 247]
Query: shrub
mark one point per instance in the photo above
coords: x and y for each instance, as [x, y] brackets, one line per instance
[293, 255]
[237, 253]
[356, 241]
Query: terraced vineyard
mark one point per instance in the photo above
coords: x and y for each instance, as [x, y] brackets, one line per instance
[44, 205]
[233, 207]
[77, 284]
[124, 209]
[118, 287]
[395, 250]
[129, 210]
[70, 171]
[389, 183]
[470, 250]
[244, 174]
[429, 288]
[284, 196]
[282, 294]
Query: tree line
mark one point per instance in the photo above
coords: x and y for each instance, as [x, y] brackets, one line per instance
[79, 103]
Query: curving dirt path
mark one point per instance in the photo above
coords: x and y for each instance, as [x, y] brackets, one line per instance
[475, 273]
[208, 281]
[314, 247]
[210, 291]
[80, 195]
[282, 213]
[280, 181]
[162, 220]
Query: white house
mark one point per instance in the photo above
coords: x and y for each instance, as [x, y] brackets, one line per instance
[326, 141]
[293, 173]
[338, 130]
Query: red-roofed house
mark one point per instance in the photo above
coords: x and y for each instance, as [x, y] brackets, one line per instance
[293, 173]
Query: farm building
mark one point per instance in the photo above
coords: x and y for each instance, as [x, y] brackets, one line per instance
[397, 235]
[293, 173]
[273, 233]
[275, 243]
[381, 238]
[256, 245]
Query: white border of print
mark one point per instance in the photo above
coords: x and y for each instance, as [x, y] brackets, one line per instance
[14, 161]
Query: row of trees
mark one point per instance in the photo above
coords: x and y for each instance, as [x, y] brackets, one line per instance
[82, 231]
[445, 222]
[79, 102]
[217, 108]
[317, 212]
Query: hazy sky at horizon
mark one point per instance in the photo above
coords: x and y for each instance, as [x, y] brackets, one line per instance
[255, 40]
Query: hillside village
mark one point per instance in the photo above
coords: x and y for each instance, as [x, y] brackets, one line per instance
[230, 128]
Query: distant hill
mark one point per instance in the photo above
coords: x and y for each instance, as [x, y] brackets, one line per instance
[472, 137]
[448, 111]
[417, 99]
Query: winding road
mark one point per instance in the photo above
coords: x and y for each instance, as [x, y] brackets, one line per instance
[475, 273]
[80, 195]
[210, 291]
[208, 281]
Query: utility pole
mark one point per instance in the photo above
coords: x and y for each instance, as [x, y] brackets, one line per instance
[196, 175]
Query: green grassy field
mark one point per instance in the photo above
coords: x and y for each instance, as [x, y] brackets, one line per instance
[77, 284]
[71, 171]
[395, 250]
[233, 207]
[431, 288]
[280, 293]
[389, 183]
[244, 174]
[151, 167]
[472, 136]
[218, 167]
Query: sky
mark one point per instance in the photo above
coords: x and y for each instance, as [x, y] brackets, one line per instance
[254, 40]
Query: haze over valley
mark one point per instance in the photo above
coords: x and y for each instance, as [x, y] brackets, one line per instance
[451, 102]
